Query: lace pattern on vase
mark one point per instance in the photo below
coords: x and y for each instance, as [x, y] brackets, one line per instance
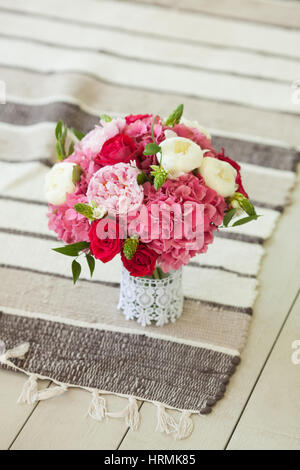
[151, 301]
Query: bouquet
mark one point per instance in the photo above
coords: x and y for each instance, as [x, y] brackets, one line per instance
[150, 190]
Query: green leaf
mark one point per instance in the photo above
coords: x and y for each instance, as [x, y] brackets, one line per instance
[130, 247]
[85, 210]
[228, 216]
[105, 117]
[72, 250]
[244, 203]
[245, 220]
[78, 134]
[91, 263]
[76, 270]
[61, 133]
[71, 148]
[60, 151]
[76, 174]
[142, 178]
[152, 149]
[58, 129]
[175, 116]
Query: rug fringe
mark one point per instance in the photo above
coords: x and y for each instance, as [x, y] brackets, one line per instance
[97, 410]
[130, 413]
[167, 424]
[29, 392]
[18, 352]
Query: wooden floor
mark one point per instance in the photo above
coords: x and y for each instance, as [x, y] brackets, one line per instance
[261, 409]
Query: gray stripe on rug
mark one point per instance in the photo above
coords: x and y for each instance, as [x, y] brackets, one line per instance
[241, 150]
[177, 375]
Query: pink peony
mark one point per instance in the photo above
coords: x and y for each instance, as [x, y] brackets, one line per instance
[91, 144]
[174, 252]
[70, 226]
[115, 187]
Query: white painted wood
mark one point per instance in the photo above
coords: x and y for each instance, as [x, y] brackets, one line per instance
[61, 424]
[12, 415]
[281, 13]
[272, 417]
[279, 283]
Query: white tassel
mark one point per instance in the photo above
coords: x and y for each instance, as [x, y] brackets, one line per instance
[29, 393]
[17, 352]
[132, 419]
[51, 392]
[185, 426]
[165, 422]
[97, 407]
[130, 413]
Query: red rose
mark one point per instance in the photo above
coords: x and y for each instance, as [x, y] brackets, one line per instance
[132, 118]
[119, 148]
[143, 262]
[222, 156]
[104, 238]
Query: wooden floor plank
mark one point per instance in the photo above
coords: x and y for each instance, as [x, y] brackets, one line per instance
[279, 283]
[280, 13]
[12, 415]
[272, 417]
[62, 424]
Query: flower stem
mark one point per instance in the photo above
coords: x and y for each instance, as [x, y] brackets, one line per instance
[156, 274]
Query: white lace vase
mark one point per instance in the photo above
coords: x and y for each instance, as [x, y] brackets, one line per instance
[151, 301]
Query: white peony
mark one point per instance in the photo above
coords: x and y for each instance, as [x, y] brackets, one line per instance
[59, 182]
[219, 175]
[180, 156]
[195, 125]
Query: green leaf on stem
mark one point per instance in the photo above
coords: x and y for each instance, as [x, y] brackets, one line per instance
[76, 174]
[72, 250]
[84, 209]
[142, 178]
[245, 220]
[228, 216]
[245, 204]
[175, 116]
[152, 149]
[91, 263]
[76, 270]
[78, 134]
[59, 129]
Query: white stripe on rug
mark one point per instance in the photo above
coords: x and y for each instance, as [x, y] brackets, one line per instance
[149, 76]
[152, 21]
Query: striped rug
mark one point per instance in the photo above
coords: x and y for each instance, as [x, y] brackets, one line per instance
[65, 60]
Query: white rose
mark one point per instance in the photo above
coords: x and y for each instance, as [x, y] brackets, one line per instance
[195, 125]
[219, 175]
[180, 156]
[59, 182]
